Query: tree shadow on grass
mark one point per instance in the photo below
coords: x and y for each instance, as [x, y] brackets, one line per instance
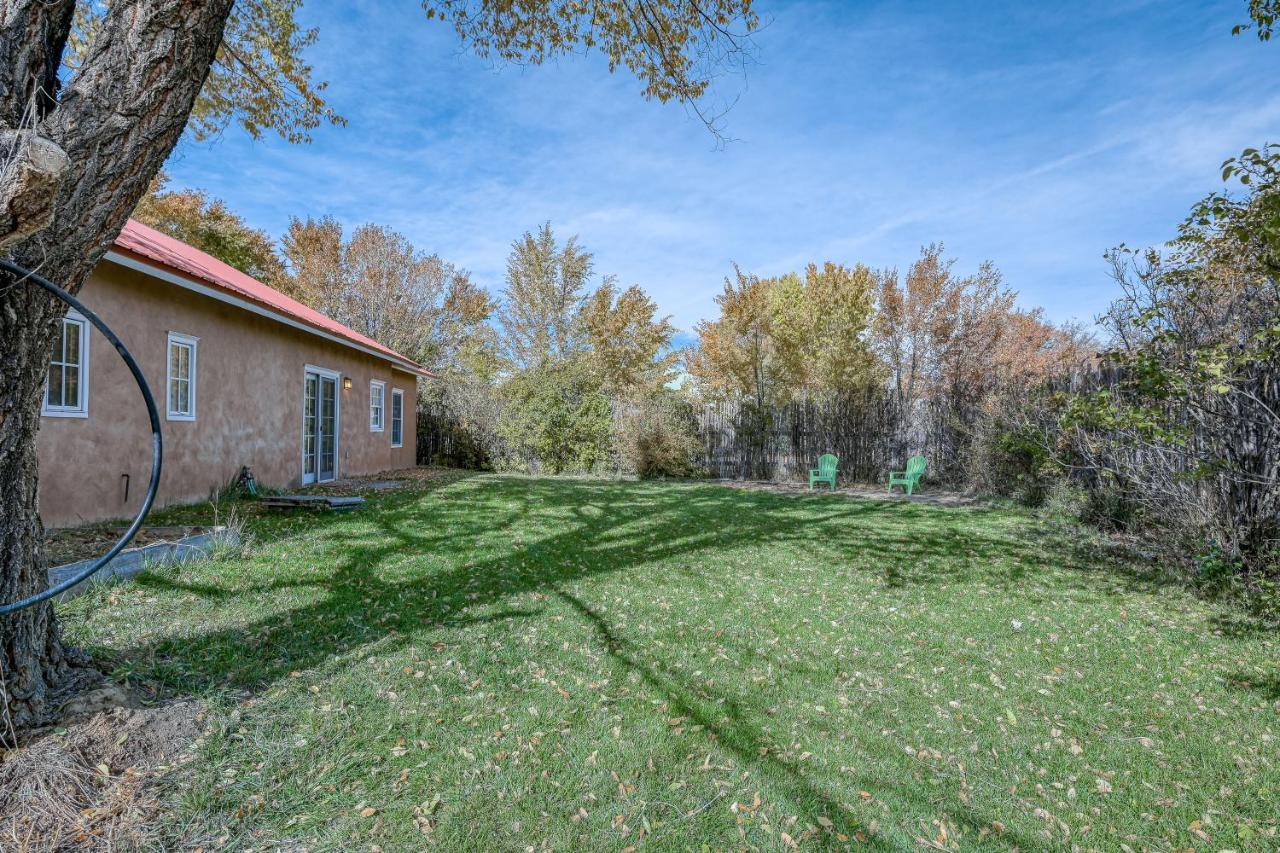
[735, 728]
[368, 599]
[596, 528]
[923, 545]
[1267, 686]
[376, 589]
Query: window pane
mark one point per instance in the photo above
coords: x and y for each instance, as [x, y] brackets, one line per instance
[71, 386]
[53, 394]
[71, 341]
[180, 360]
[397, 412]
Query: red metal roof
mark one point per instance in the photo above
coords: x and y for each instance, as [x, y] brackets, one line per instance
[177, 257]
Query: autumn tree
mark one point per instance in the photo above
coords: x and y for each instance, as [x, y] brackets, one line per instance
[86, 123]
[951, 342]
[780, 338]
[377, 283]
[546, 289]
[737, 354]
[821, 323]
[630, 344]
[209, 225]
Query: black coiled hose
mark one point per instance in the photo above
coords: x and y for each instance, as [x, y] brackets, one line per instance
[156, 442]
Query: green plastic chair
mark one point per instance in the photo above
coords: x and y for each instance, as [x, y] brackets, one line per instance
[909, 478]
[825, 472]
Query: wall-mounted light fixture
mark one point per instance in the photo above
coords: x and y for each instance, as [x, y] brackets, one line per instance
[346, 383]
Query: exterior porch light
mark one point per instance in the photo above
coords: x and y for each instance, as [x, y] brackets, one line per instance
[346, 383]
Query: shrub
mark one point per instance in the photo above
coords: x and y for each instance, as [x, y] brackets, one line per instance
[555, 419]
[658, 437]
[458, 422]
[1066, 499]
[1010, 454]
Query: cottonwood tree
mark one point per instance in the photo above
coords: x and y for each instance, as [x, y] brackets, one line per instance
[258, 79]
[377, 283]
[821, 323]
[79, 150]
[784, 337]
[737, 353]
[630, 344]
[209, 225]
[546, 289]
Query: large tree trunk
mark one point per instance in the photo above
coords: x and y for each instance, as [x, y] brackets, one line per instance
[116, 120]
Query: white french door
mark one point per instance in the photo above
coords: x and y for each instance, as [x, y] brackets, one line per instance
[319, 425]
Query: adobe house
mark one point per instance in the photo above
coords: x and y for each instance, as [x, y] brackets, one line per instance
[241, 373]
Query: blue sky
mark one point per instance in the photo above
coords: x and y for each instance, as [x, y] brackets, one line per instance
[1032, 134]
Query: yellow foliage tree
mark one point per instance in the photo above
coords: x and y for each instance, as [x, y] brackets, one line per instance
[780, 338]
[630, 345]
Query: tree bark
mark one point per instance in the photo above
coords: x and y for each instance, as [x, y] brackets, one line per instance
[116, 120]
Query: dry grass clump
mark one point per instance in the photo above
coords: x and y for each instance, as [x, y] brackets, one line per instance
[92, 784]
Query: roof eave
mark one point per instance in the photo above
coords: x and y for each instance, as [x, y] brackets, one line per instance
[149, 266]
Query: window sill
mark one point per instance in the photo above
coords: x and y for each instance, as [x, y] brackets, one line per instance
[64, 413]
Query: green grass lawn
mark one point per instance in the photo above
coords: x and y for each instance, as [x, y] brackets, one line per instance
[498, 662]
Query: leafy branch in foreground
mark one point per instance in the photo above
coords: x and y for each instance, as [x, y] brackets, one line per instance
[676, 47]
[258, 79]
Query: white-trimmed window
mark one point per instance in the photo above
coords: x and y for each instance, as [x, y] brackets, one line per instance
[377, 405]
[66, 393]
[182, 377]
[397, 417]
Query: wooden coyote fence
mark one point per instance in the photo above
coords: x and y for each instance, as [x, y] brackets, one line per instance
[742, 441]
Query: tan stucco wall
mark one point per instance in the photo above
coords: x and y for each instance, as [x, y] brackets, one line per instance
[248, 404]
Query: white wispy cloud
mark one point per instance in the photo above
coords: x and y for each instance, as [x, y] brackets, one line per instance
[1032, 135]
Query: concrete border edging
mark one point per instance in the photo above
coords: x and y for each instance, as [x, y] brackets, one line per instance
[134, 561]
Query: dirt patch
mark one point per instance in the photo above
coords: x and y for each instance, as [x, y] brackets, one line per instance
[865, 491]
[93, 783]
[71, 544]
[385, 481]
[426, 474]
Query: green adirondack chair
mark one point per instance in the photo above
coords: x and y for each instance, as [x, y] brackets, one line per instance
[825, 472]
[909, 478]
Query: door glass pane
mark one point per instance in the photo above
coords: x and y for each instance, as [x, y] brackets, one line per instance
[328, 418]
[309, 430]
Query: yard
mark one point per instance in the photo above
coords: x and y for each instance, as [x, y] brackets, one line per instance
[506, 662]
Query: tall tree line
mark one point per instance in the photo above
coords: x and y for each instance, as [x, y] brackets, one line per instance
[936, 347]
